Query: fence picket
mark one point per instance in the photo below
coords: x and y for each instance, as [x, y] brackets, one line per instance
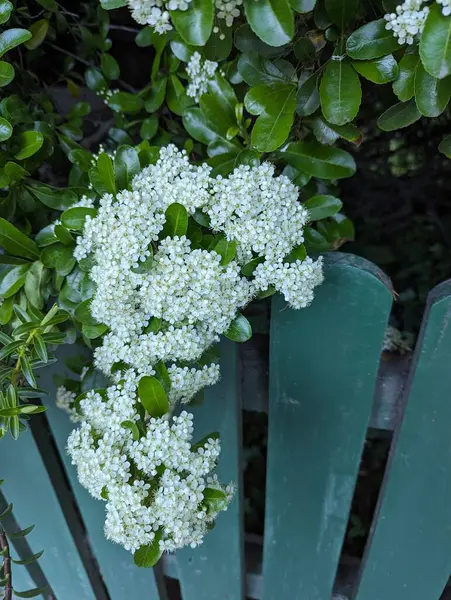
[409, 553]
[120, 576]
[214, 570]
[27, 485]
[323, 366]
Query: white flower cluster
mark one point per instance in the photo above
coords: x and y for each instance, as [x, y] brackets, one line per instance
[228, 10]
[446, 7]
[408, 20]
[167, 300]
[200, 72]
[65, 400]
[156, 12]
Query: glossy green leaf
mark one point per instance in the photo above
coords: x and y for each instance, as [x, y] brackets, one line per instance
[176, 221]
[27, 143]
[147, 556]
[27, 371]
[380, 70]
[149, 128]
[341, 11]
[219, 44]
[126, 166]
[31, 593]
[22, 533]
[132, 427]
[6, 73]
[321, 207]
[30, 559]
[58, 257]
[74, 218]
[431, 94]
[318, 160]
[82, 158]
[41, 350]
[15, 242]
[315, 241]
[271, 20]
[109, 66]
[111, 4]
[227, 250]
[404, 86]
[340, 92]
[240, 329]
[435, 43]
[303, 6]
[398, 116]
[92, 332]
[307, 98]
[36, 277]
[255, 69]
[12, 280]
[304, 50]
[215, 499]
[157, 93]
[196, 23]
[38, 30]
[124, 102]
[106, 172]
[6, 9]
[248, 42]
[64, 235]
[371, 41]
[55, 198]
[152, 396]
[445, 146]
[83, 313]
[95, 81]
[11, 38]
[298, 253]
[5, 129]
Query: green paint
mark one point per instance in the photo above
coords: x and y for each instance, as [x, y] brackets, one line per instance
[323, 366]
[409, 555]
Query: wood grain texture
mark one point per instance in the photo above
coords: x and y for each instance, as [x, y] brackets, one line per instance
[323, 366]
[409, 553]
[215, 570]
[121, 577]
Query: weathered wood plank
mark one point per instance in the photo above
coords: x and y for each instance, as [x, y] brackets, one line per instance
[323, 366]
[409, 553]
[27, 485]
[122, 578]
[215, 570]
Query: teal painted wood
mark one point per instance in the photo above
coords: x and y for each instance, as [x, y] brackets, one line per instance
[215, 571]
[323, 366]
[28, 487]
[409, 554]
[122, 578]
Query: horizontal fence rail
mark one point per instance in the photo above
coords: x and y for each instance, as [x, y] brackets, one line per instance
[323, 386]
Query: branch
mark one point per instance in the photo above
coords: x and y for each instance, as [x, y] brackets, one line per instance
[4, 548]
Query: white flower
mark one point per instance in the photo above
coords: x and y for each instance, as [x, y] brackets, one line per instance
[408, 20]
[199, 72]
[446, 7]
[228, 10]
[397, 341]
[156, 12]
[65, 400]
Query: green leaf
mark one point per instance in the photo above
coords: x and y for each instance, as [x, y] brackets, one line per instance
[398, 116]
[215, 499]
[93, 332]
[38, 30]
[298, 253]
[55, 198]
[314, 241]
[431, 94]
[6, 73]
[340, 92]
[304, 50]
[219, 44]
[95, 81]
[196, 23]
[82, 158]
[445, 146]
[240, 329]
[318, 160]
[132, 427]
[109, 66]
[321, 207]
[21, 533]
[58, 257]
[124, 102]
[227, 250]
[157, 93]
[50, 5]
[11, 38]
[277, 106]
[126, 166]
[404, 86]
[27, 143]
[27, 371]
[307, 98]
[146, 265]
[30, 559]
[5, 11]
[303, 6]
[83, 313]
[74, 218]
[10, 349]
[176, 221]
[153, 396]
[271, 20]
[380, 70]
[31, 593]
[248, 269]
[41, 350]
[5, 129]
[255, 69]
[341, 11]
[111, 4]
[36, 277]
[148, 555]
[15, 242]
[106, 172]
[435, 43]
[149, 128]
[371, 41]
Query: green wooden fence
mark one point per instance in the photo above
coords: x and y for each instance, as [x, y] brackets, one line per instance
[323, 373]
